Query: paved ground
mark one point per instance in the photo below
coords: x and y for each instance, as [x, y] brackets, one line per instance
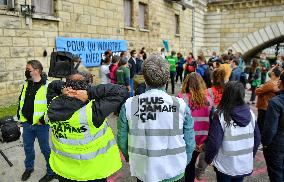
[16, 156]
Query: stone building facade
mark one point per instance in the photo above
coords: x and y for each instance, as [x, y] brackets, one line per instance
[27, 36]
[244, 26]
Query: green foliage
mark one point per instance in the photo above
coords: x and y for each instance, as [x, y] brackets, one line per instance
[8, 111]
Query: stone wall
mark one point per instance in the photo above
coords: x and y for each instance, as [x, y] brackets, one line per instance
[23, 39]
[227, 22]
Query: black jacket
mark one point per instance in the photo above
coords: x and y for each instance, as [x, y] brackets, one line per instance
[273, 132]
[133, 66]
[108, 98]
[28, 107]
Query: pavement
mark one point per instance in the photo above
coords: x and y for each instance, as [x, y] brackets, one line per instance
[15, 153]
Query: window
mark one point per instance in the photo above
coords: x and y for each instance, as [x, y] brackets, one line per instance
[128, 13]
[143, 16]
[177, 25]
[43, 7]
[3, 2]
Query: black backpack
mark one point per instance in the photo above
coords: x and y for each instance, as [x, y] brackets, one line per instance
[9, 130]
[61, 64]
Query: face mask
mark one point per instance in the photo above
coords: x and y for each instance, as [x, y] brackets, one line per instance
[28, 74]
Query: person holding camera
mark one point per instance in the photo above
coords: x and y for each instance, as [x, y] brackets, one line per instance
[84, 148]
[32, 105]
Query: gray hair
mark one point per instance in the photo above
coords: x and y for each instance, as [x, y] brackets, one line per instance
[156, 70]
[36, 65]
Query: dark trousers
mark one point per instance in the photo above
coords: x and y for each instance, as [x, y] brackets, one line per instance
[172, 76]
[190, 168]
[179, 74]
[30, 133]
[252, 97]
[260, 119]
[275, 164]
[263, 78]
[221, 177]
[62, 179]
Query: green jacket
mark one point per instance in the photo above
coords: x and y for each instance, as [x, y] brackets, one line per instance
[173, 62]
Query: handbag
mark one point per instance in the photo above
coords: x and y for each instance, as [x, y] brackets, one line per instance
[9, 130]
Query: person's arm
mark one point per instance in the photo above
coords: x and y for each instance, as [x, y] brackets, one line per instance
[18, 110]
[189, 135]
[127, 79]
[122, 133]
[233, 76]
[267, 87]
[256, 139]
[54, 89]
[214, 140]
[257, 74]
[107, 99]
[270, 123]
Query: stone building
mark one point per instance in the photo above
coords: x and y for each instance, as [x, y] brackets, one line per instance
[245, 26]
[30, 33]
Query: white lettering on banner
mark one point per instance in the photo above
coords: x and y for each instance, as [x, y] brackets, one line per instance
[149, 106]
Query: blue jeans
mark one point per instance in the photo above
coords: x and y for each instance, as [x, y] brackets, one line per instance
[131, 87]
[30, 132]
[221, 177]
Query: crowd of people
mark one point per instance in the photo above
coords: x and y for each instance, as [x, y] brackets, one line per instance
[163, 137]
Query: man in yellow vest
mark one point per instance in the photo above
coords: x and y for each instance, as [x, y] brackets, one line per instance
[83, 145]
[32, 106]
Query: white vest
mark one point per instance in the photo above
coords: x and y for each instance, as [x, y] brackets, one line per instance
[235, 157]
[156, 143]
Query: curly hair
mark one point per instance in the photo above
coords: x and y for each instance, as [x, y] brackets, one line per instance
[196, 87]
[219, 77]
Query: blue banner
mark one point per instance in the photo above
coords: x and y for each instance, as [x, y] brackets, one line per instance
[91, 51]
[166, 45]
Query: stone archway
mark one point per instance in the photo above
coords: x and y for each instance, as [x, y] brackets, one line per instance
[259, 40]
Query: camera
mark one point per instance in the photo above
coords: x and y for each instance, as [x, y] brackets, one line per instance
[62, 64]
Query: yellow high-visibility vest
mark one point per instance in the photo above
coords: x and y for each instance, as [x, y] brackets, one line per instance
[40, 103]
[80, 151]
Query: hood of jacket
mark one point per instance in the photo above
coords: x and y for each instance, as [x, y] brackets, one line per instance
[241, 115]
[63, 107]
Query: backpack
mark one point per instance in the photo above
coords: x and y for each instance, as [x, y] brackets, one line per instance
[9, 130]
[190, 67]
[62, 64]
[206, 76]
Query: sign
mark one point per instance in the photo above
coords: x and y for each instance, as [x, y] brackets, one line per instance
[91, 51]
[166, 45]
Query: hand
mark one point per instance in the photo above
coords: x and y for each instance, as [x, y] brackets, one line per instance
[199, 148]
[81, 95]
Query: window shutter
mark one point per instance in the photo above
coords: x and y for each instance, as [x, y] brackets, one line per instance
[127, 13]
[43, 6]
[142, 13]
[3, 2]
[11, 4]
